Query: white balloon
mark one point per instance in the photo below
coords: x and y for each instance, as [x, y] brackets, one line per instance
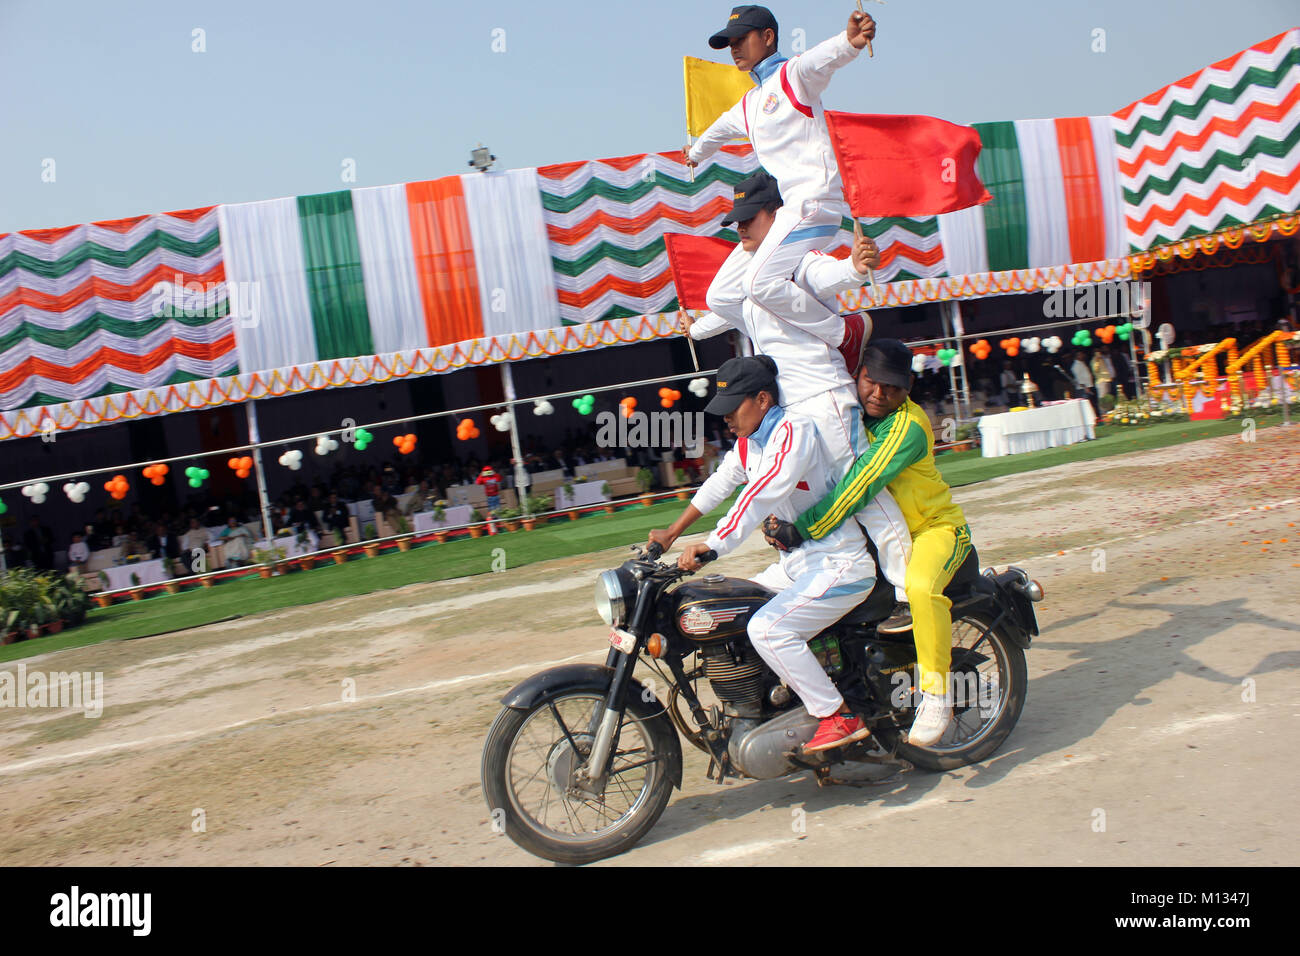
[325, 444]
[292, 459]
[501, 422]
[36, 492]
[918, 363]
[699, 387]
[1053, 344]
[1029, 345]
[543, 407]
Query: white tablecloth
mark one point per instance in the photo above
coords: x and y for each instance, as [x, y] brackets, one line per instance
[363, 510]
[584, 493]
[1051, 426]
[289, 544]
[148, 572]
[454, 516]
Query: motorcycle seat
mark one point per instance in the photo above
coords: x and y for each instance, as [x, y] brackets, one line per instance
[880, 602]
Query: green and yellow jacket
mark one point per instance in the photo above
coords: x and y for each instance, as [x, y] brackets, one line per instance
[901, 458]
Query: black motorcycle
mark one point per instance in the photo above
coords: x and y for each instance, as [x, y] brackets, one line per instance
[582, 760]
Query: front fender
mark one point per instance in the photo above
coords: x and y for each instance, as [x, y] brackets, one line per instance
[547, 685]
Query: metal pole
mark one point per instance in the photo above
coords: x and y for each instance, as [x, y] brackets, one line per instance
[521, 473]
[960, 329]
[251, 408]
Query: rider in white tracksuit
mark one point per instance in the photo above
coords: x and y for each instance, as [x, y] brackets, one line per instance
[784, 469]
[783, 118]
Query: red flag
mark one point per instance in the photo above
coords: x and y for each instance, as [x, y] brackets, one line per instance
[695, 260]
[906, 165]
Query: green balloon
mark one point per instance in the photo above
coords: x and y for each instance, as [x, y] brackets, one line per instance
[196, 483]
[363, 438]
[3, 507]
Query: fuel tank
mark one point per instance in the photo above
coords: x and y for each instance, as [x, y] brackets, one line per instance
[715, 608]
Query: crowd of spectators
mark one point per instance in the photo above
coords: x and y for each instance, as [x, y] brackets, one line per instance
[312, 506]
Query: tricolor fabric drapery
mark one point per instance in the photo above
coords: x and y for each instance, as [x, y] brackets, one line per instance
[1056, 198]
[112, 306]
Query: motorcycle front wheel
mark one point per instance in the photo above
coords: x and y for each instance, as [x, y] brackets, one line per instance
[990, 682]
[528, 769]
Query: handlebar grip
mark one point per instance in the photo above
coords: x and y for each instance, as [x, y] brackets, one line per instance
[708, 556]
[654, 551]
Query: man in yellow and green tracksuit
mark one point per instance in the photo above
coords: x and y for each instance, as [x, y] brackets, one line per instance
[901, 457]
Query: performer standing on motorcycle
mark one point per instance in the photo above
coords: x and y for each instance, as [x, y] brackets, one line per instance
[784, 120]
[785, 468]
[814, 381]
[901, 459]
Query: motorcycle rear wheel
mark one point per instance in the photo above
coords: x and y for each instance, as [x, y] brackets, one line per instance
[528, 760]
[976, 732]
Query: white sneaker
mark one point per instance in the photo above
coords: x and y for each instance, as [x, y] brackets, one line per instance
[932, 719]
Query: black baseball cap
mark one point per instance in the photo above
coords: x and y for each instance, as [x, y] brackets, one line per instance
[739, 378]
[751, 195]
[887, 361]
[741, 21]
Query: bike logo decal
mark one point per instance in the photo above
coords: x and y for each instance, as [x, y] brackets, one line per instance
[699, 621]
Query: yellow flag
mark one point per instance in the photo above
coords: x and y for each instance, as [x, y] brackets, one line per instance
[711, 90]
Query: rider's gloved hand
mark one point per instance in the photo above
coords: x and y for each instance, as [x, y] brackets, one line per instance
[781, 534]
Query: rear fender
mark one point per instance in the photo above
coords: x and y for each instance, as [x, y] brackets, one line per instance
[545, 686]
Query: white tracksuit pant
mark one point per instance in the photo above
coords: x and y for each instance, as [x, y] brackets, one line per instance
[765, 275]
[803, 606]
[840, 431]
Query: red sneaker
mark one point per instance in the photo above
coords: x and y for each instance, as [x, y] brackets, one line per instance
[855, 339]
[836, 731]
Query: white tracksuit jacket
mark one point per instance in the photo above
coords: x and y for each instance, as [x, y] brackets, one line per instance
[784, 120]
[785, 469]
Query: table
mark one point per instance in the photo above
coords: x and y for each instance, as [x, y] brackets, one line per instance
[455, 516]
[1051, 426]
[148, 572]
[584, 493]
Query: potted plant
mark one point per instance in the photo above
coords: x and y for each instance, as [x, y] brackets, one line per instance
[440, 511]
[103, 600]
[680, 475]
[476, 527]
[172, 587]
[268, 558]
[136, 593]
[538, 505]
[339, 556]
[206, 580]
[510, 518]
[370, 546]
[404, 529]
[644, 478]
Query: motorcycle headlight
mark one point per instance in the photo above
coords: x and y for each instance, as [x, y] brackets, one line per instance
[610, 603]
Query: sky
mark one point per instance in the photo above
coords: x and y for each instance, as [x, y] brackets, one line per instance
[113, 110]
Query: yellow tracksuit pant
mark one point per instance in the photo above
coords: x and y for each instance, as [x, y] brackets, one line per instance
[937, 553]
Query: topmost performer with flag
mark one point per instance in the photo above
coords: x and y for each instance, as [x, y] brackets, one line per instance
[783, 118]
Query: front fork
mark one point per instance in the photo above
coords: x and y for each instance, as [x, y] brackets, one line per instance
[606, 726]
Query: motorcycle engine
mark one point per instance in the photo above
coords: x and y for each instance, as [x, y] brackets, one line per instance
[735, 672]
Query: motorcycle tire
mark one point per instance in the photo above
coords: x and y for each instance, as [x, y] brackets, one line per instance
[529, 833]
[1012, 665]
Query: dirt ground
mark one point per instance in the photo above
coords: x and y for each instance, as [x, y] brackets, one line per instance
[1159, 726]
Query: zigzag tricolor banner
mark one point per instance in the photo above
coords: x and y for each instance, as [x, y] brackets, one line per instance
[1216, 149]
[112, 306]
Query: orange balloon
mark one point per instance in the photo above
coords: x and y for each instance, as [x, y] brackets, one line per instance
[233, 464]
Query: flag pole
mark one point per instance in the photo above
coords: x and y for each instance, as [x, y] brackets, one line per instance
[870, 52]
[871, 274]
[691, 342]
